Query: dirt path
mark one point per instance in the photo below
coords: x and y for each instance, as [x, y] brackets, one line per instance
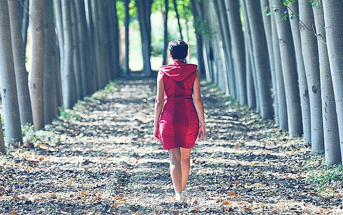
[101, 158]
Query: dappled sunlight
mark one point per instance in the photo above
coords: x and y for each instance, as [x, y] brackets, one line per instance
[106, 159]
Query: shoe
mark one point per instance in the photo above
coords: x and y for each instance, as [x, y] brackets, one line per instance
[178, 196]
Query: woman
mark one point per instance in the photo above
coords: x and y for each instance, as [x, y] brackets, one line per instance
[178, 110]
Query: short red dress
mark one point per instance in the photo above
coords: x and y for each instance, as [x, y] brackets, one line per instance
[179, 123]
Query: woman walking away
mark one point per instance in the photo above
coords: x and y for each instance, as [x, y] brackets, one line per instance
[178, 110]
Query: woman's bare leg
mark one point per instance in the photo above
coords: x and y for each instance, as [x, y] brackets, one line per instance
[175, 168]
[185, 166]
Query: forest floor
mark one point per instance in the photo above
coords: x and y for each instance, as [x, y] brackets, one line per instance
[101, 158]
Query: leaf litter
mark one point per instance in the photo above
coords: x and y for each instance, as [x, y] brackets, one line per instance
[101, 158]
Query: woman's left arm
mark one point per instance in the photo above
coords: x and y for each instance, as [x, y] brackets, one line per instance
[159, 103]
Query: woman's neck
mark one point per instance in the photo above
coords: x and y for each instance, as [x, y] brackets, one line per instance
[182, 60]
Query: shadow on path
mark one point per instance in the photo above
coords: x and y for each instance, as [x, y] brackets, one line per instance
[107, 162]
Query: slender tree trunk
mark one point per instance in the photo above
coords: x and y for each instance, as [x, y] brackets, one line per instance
[9, 97]
[225, 78]
[76, 52]
[50, 65]
[311, 59]
[165, 32]
[116, 37]
[333, 17]
[178, 18]
[250, 53]
[25, 20]
[290, 76]
[127, 72]
[83, 45]
[304, 95]
[261, 56]
[268, 32]
[2, 142]
[68, 78]
[59, 27]
[199, 37]
[144, 13]
[92, 55]
[36, 73]
[238, 50]
[19, 65]
[279, 90]
[249, 79]
[330, 123]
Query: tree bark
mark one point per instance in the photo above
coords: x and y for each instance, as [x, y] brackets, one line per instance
[36, 73]
[126, 71]
[333, 17]
[76, 52]
[230, 79]
[2, 142]
[25, 21]
[144, 13]
[304, 95]
[116, 38]
[261, 59]
[178, 18]
[165, 32]
[68, 79]
[19, 64]
[330, 123]
[238, 50]
[83, 45]
[50, 70]
[311, 59]
[279, 90]
[59, 27]
[289, 71]
[7, 78]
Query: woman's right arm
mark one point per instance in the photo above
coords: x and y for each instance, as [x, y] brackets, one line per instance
[199, 106]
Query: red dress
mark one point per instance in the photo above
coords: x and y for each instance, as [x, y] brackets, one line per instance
[179, 123]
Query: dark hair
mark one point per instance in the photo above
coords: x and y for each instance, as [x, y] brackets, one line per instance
[178, 49]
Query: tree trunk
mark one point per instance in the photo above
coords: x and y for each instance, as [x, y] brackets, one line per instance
[9, 97]
[279, 91]
[68, 79]
[19, 65]
[2, 142]
[116, 38]
[83, 45]
[311, 62]
[238, 50]
[144, 13]
[178, 18]
[224, 77]
[25, 21]
[333, 17]
[267, 28]
[330, 124]
[126, 71]
[290, 76]
[249, 78]
[105, 46]
[199, 37]
[261, 59]
[76, 52]
[50, 70]
[59, 27]
[36, 73]
[304, 97]
[165, 32]
[230, 79]
[92, 55]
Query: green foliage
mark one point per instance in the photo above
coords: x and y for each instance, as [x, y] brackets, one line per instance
[68, 114]
[108, 89]
[41, 136]
[325, 175]
[202, 27]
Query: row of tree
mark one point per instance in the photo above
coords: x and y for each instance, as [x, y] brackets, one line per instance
[284, 59]
[79, 58]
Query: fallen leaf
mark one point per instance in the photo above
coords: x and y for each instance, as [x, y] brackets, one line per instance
[226, 202]
[232, 193]
[195, 202]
